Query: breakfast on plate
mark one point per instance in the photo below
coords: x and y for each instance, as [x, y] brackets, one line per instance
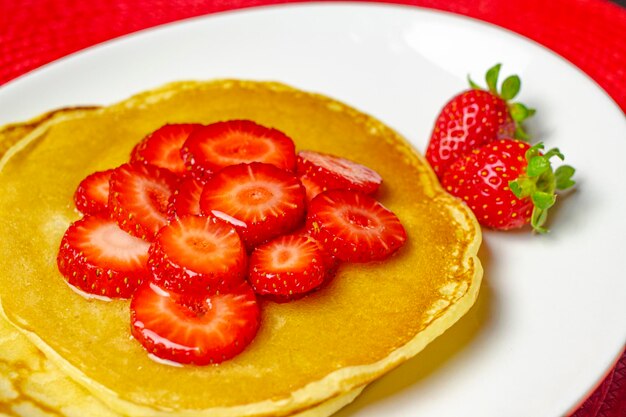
[230, 248]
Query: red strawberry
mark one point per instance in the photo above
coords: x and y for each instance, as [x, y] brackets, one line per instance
[162, 147]
[312, 187]
[186, 197]
[330, 261]
[196, 254]
[288, 266]
[92, 194]
[99, 258]
[260, 200]
[508, 184]
[354, 227]
[201, 330]
[233, 142]
[476, 117]
[138, 198]
[337, 173]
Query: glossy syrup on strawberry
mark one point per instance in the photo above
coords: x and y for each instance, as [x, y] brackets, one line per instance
[201, 330]
[99, 258]
[186, 197]
[233, 142]
[287, 267]
[335, 173]
[162, 147]
[194, 254]
[92, 194]
[138, 198]
[354, 227]
[258, 199]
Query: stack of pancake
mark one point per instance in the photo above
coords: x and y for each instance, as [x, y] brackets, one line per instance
[66, 355]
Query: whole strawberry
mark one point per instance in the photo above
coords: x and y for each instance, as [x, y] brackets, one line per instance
[476, 117]
[508, 184]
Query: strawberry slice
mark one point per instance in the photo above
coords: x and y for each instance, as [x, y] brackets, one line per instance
[288, 266]
[201, 330]
[138, 198]
[92, 194]
[162, 147]
[99, 258]
[330, 261]
[260, 200]
[312, 187]
[337, 173]
[354, 227]
[233, 142]
[196, 254]
[186, 197]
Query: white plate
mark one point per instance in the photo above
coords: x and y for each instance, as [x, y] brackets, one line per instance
[551, 317]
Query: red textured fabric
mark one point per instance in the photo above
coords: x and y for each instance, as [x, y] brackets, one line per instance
[589, 33]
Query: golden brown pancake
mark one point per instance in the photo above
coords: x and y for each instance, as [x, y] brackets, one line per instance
[310, 353]
[31, 385]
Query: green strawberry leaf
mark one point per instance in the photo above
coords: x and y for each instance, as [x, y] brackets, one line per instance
[563, 175]
[534, 150]
[520, 133]
[472, 84]
[510, 87]
[537, 165]
[519, 112]
[543, 200]
[540, 182]
[522, 187]
[492, 78]
[515, 188]
[554, 152]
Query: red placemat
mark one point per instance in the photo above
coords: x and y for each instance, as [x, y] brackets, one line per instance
[589, 33]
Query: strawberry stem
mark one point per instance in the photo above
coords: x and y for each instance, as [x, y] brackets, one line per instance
[539, 183]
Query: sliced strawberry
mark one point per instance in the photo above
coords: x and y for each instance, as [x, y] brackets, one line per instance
[162, 147]
[200, 330]
[92, 194]
[311, 186]
[99, 258]
[138, 198]
[196, 254]
[354, 227]
[330, 261]
[186, 197]
[233, 142]
[260, 200]
[288, 266]
[337, 173]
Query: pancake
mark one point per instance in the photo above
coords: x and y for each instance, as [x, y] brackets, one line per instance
[309, 353]
[31, 385]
